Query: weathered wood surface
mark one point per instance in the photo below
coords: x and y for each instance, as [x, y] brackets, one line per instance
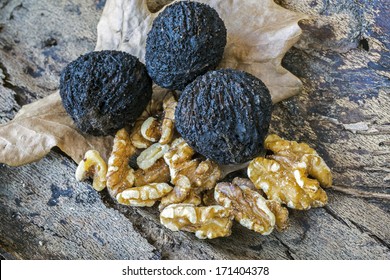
[343, 111]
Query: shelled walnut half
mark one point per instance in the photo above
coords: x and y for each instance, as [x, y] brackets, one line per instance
[280, 212]
[284, 176]
[146, 195]
[181, 193]
[120, 175]
[203, 175]
[206, 222]
[299, 156]
[249, 207]
[94, 166]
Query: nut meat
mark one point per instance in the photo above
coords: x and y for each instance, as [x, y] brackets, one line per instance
[94, 166]
[144, 196]
[299, 156]
[150, 129]
[280, 212]
[149, 156]
[157, 173]
[168, 123]
[284, 176]
[202, 174]
[179, 193]
[179, 160]
[207, 222]
[249, 207]
[120, 175]
[153, 108]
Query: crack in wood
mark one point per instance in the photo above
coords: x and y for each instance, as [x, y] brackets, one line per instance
[336, 217]
[19, 92]
[5, 3]
[16, 8]
[363, 229]
[289, 252]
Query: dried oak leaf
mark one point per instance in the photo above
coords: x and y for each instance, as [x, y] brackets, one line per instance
[259, 35]
[40, 126]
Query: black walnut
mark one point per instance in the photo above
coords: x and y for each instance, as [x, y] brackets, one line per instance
[105, 91]
[225, 115]
[186, 40]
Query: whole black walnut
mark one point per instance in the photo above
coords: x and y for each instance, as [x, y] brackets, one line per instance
[186, 40]
[225, 115]
[104, 91]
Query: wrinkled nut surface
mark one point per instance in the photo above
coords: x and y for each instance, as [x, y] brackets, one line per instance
[157, 173]
[299, 156]
[249, 207]
[120, 175]
[181, 193]
[202, 174]
[193, 198]
[281, 214]
[284, 176]
[206, 175]
[150, 129]
[93, 166]
[168, 123]
[179, 160]
[208, 198]
[206, 222]
[136, 136]
[153, 108]
[246, 183]
[143, 196]
[149, 156]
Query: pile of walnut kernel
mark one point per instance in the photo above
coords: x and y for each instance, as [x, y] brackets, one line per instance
[188, 188]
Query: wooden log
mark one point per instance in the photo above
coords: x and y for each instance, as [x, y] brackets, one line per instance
[343, 112]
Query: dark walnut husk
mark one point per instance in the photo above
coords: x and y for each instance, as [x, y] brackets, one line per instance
[186, 40]
[105, 91]
[225, 115]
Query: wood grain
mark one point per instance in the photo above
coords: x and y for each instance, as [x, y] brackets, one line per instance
[343, 111]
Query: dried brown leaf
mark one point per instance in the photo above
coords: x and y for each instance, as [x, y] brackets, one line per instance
[259, 35]
[40, 126]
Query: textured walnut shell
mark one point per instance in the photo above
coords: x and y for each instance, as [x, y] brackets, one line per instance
[224, 115]
[186, 40]
[104, 91]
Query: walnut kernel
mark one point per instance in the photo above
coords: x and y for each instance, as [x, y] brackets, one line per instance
[149, 156]
[157, 173]
[284, 176]
[299, 156]
[143, 196]
[207, 222]
[150, 129]
[92, 165]
[120, 175]
[249, 207]
[168, 123]
[202, 174]
[280, 212]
